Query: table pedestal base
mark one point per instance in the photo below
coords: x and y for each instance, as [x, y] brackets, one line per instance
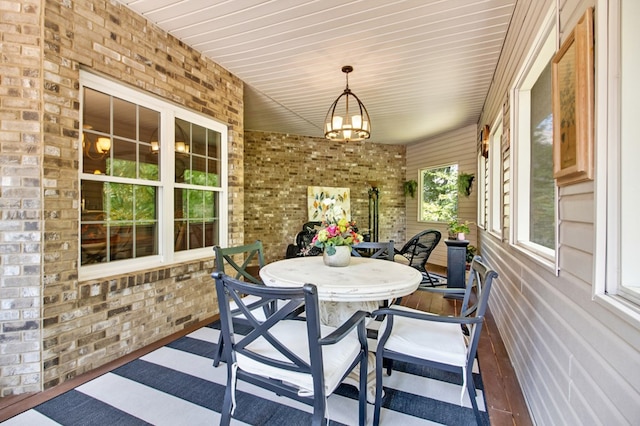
[354, 378]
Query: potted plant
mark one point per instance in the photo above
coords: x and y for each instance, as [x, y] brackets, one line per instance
[464, 183]
[471, 252]
[458, 230]
[410, 188]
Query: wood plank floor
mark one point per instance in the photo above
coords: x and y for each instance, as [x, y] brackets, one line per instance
[505, 401]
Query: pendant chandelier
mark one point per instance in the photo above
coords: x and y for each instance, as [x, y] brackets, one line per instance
[347, 119]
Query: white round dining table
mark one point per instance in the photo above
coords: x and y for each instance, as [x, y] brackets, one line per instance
[363, 284]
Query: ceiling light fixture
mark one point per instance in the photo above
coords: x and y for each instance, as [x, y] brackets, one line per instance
[181, 144]
[347, 119]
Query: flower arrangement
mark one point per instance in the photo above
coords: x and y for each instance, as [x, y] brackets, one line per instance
[336, 234]
[336, 230]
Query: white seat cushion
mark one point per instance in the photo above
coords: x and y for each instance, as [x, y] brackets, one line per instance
[293, 335]
[436, 341]
[400, 259]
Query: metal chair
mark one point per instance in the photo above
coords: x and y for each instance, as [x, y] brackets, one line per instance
[374, 250]
[418, 249]
[436, 341]
[303, 245]
[286, 353]
[245, 258]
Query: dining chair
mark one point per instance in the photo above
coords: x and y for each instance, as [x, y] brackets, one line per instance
[418, 249]
[377, 250]
[418, 337]
[291, 355]
[241, 261]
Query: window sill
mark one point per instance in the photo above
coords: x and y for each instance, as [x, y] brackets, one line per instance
[620, 307]
[537, 256]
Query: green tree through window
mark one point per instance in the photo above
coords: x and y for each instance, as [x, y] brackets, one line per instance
[439, 193]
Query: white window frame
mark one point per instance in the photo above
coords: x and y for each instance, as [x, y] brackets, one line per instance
[496, 179]
[482, 190]
[165, 210]
[538, 57]
[421, 191]
[609, 271]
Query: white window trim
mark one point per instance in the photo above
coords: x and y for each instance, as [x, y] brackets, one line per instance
[421, 189]
[168, 112]
[607, 185]
[547, 46]
[482, 191]
[496, 189]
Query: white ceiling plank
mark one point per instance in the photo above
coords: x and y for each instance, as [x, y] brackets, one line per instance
[423, 65]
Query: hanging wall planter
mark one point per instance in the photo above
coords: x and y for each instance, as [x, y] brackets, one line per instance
[464, 183]
[410, 188]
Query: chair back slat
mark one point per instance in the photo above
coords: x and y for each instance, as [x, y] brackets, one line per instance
[240, 258]
[379, 250]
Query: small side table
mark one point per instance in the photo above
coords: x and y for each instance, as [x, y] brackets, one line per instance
[456, 262]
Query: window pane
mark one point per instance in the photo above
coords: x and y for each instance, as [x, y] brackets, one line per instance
[195, 217]
[124, 119]
[629, 148]
[124, 159]
[542, 191]
[439, 193]
[118, 222]
[96, 111]
[197, 158]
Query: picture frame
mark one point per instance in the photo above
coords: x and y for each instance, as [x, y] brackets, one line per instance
[573, 104]
[323, 200]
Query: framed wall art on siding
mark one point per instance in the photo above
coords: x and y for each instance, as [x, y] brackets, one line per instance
[572, 70]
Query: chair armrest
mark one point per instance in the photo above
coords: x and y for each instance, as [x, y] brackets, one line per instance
[459, 291]
[427, 316]
[357, 319]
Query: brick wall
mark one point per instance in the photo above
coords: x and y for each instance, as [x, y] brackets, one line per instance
[87, 324]
[55, 327]
[20, 196]
[280, 167]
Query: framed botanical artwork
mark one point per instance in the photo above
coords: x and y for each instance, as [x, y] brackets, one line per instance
[573, 74]
[328, 203]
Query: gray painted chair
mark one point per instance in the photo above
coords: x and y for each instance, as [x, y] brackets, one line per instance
[287, 353]
[376, 250]
[240, 260]
[436, 341]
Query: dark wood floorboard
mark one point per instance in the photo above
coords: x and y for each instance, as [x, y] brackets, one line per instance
[505, 402]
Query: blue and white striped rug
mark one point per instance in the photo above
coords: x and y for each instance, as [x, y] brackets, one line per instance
[177, 385]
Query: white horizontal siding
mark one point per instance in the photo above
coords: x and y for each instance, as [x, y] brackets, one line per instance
[454, 147]
[576, 360]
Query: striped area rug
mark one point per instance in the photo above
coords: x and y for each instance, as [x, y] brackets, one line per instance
[177, 385]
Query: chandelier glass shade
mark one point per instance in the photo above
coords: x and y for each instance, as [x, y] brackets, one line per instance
[347, 118]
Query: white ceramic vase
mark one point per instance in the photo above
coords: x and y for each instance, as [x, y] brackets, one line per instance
[341, 257]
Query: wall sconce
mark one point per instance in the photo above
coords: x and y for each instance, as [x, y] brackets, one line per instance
[484, 141]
